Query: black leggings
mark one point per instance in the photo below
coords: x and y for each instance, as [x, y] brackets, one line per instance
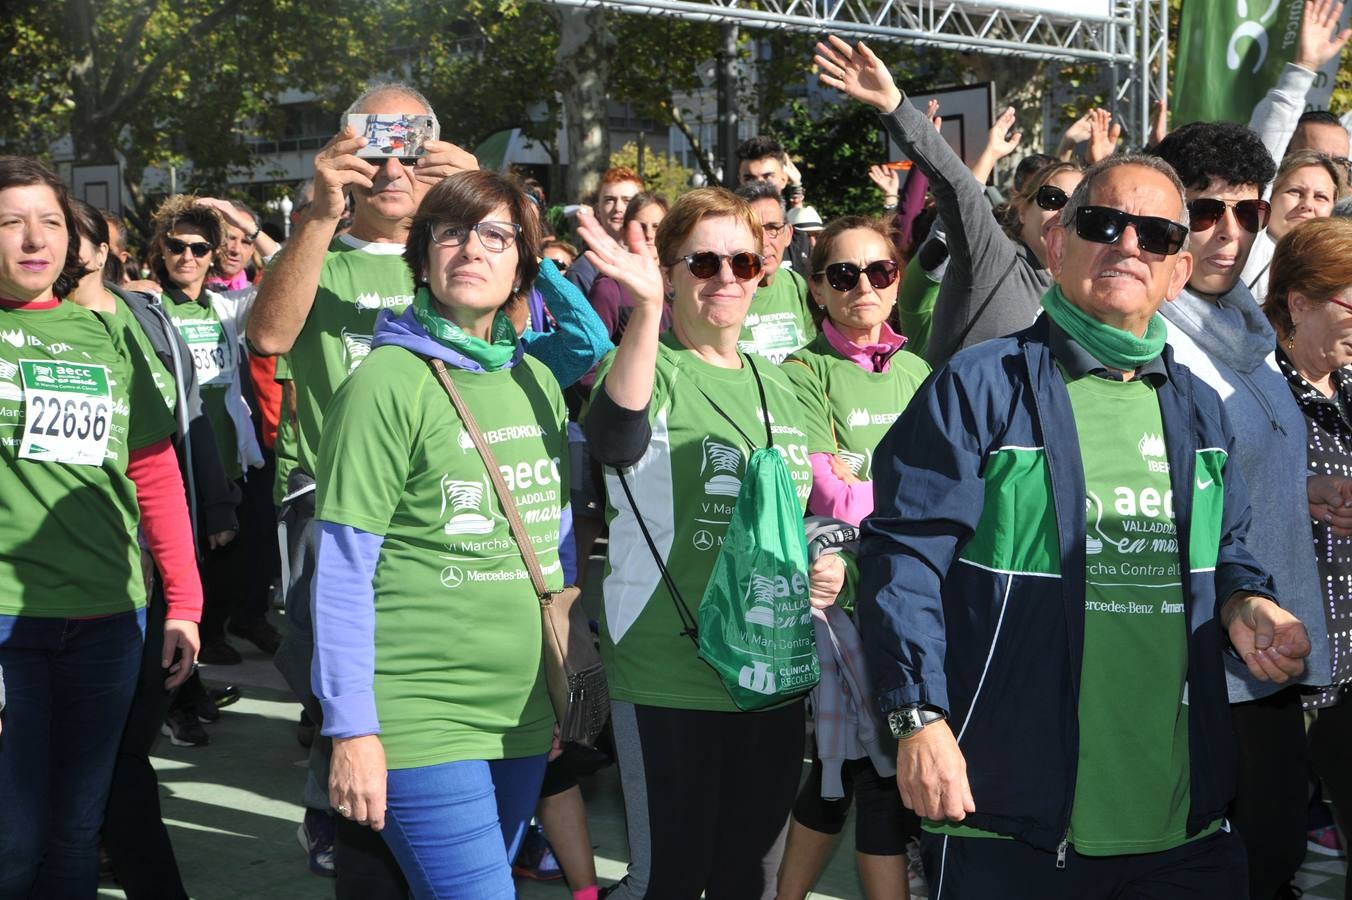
[1272, 795]
[706, 795]
[1331, 758]
[882, 825]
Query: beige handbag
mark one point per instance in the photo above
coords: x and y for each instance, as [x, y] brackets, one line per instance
[573, 671]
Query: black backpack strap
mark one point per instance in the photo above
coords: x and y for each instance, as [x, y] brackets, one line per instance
[689, 624]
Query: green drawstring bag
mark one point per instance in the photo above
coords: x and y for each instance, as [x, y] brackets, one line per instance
[755, 623]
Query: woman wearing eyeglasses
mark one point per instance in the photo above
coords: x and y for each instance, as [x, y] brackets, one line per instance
[1307, 185]
[994, 282]
[1310, 307]
[1218, 331]
[707, 786]
[854, 381]
[427, 628]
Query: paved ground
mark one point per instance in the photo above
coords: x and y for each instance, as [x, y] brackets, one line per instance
[233, 807]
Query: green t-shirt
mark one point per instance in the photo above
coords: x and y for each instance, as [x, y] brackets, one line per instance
[124, 322]
[214, 359]
[1132, 782]
[779, 321]
[458, 644]
[685, 487]
[358, 281]
[849, 410]
[284, 448]
[74, 400]
[915, 306]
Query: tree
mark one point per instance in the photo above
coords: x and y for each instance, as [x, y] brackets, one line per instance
[153, 84]
[661, 173]
[834, 150]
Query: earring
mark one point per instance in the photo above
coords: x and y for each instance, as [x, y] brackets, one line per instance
[1291, 338]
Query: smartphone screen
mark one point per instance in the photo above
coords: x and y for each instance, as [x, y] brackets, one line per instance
[394, 135]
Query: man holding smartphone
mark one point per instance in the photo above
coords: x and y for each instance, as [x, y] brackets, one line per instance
[318, 306]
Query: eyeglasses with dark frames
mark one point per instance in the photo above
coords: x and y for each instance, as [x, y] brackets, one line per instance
[495, 236]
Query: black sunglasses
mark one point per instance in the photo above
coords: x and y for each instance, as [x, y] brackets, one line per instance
[1252, 215]
[1105, 225]
[1050, 197]
[175, 246]
[706, 263]
[843, 276]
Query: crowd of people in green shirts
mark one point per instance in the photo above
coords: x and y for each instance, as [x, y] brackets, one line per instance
[176, 444]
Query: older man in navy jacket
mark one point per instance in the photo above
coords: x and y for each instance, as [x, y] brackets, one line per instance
[1052, 574]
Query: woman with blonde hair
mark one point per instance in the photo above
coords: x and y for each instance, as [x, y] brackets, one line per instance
[675, 417]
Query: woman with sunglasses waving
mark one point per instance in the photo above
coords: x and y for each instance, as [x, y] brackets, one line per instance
[1310, 307]
[854, 381]
[185, 247]
[85, 464]
[708, 787]
[994, 282]
[1218, 331]
[1307, 185]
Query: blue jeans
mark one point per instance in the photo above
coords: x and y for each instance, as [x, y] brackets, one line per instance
[456, 827]
[69, 685]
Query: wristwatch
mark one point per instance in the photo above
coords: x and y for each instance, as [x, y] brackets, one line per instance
[257, 231]
[908, 720]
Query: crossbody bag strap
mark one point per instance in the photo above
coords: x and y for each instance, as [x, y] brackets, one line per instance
[689, 624]
[523, 544]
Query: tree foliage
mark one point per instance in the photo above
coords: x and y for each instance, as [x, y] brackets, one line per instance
[661, 173]
[833, 150]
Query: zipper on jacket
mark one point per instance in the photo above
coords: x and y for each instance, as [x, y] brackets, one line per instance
[1061, 851]
[1262, 401]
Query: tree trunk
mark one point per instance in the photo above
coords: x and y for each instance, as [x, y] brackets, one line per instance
[581, 69]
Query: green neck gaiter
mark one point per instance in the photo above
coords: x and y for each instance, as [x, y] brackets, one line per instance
[492, 355]
[1115, 348]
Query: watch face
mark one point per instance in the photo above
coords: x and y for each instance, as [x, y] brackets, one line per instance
[904, 722]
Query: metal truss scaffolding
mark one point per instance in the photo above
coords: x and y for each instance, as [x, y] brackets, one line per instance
[1129, 38]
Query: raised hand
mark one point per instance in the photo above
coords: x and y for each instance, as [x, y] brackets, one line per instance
[1318, 44]
[336, 167]
[232, 215]
[1159, 123]
[633, 267]
[886, 179]
[1104, 135]
[932, 113]
[443, 159]
[855, 71]
[1000, 141]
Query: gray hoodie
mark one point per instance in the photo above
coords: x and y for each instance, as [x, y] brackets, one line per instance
[984, 262]
[1229, 345]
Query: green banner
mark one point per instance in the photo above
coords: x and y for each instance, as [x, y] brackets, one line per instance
[1230, 53]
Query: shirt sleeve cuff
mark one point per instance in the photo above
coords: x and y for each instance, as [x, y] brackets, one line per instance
[350, 715]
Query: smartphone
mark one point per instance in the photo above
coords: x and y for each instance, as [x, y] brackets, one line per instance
[402, 136]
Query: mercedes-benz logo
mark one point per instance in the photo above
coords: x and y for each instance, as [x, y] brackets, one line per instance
[452, 577]
[703, 540]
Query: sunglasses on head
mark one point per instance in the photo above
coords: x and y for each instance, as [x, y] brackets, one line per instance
[1252, 215]
[175, 246]
[843, 276]
[706, 264]
[1050, 197]
[1105, 225]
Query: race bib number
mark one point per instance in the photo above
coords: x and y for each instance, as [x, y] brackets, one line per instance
[212, 358]
[68, 409]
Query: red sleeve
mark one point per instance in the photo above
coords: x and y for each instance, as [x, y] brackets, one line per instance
[164, 519]
[268, 393]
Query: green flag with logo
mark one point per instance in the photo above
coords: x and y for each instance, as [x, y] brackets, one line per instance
[1231, 52]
